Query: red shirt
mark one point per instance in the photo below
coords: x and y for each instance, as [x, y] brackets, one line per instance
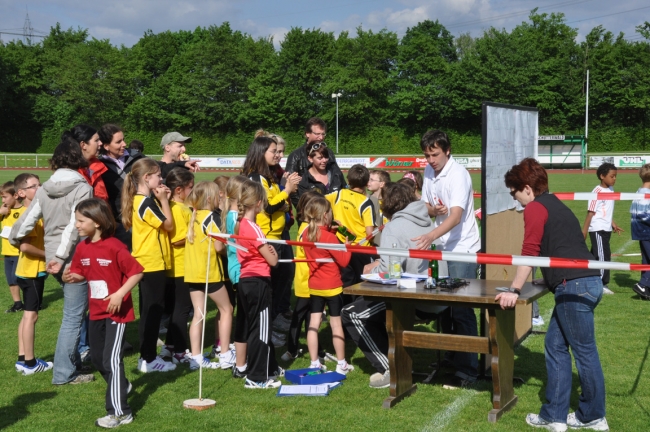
[535, 217]
[252, 262]
[106, 265]
[93, 175]
[326, 275]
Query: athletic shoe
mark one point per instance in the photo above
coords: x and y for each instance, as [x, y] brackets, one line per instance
[113, 421]
[205, 364]
[270, 384]
[320, 366]
[456, 382]
[281, 325]
[290, 357]
[216, 350]
[536, 421]
[157, 365]
[40, 366]
[237, 374]
[330, 357]
[278, 373]
[347, 367]
[227, 360]
[278, 339]
[166, 352]
[538, 321]
[85, 356]
[598, 424]
[184, 357]
[20, 366]
[15, 308]
[607, 290]
[378, 380]
[642, 290]
[82, 379]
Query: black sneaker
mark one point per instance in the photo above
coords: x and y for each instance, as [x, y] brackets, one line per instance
[642, 290]
[237, 374]
[15, 308]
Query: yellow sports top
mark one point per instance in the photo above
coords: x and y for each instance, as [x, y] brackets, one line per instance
[5, 225]
[182, 215]
[150, 241]
[301, 279]
[29, 266]
[354, 210]
[272, 217]
[196, 253]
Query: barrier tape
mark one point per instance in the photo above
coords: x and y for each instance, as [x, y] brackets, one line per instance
[372, 235]
[474, 258]
[601, 196]
[306, 260]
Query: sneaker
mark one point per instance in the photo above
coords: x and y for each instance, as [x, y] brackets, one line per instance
[270, 384]
[113, 421]
[344, 369]
[216, 350]
[330, 357]
[642, 290]
[85, 356]
[538, 321]
[536, 421]
[157, 365]
[184, 357]
[15, 308]
[166, 352]
[40, 366]
[378, 380]
[598, 424]
[237, 374]
[456, 382]
[280, 325]
[320, 366]
[607, 290]
[278, 339]
[205, 364]
[287, 357]
[227, 360]
[20, 366]
[278, 373]
[82, 379]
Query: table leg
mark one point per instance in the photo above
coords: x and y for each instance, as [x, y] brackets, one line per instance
[502, 327]
[399, 317]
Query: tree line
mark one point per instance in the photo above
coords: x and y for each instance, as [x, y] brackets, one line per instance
[220, 85]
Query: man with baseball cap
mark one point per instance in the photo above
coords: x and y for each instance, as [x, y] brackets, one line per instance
[173, 146]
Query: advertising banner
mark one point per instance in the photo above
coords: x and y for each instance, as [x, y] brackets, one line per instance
[635, 161]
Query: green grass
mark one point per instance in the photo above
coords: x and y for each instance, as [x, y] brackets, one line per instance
[622, 331]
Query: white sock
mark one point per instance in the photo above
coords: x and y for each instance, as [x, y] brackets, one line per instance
[315, 364]
[342, 363]
[198, 358]
[242, 368]
[224, 354]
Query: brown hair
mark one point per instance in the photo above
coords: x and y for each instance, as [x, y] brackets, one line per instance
[644, 173]
[416, 176]
[358, 176]
[408, 183]
[314, 213]
[252, 192]
[306, 197]
[396, 197]
[141, 168]
[527, 172]
[232, 190]
[8, 187]
[178, 177]
[21, 180]
[384, 177]
[99, 212]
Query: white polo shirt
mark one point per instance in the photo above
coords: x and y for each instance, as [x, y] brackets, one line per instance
[453, 188]
[603, 209]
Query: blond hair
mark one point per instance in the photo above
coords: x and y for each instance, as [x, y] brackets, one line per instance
[204, 196]
[232, 189]
[314, 213]
[275, 137]
[251, 193]
[141, 168]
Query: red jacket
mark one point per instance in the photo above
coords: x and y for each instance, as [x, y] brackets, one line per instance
[326, 276]
[93, 175]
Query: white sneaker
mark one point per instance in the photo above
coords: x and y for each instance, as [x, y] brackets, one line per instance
[318, 365]
[227, 360]
[607, 291]
[344, 369]
[598, 424]
[165, 352]
[289, 357]
[205, 364]
[378, 380]
[178, 358]
[538, 321]
[330, 357]
[40, 366]
[271, 383]
[157, 365]
[536, 421]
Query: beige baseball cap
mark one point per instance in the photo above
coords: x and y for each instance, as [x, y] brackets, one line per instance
[174, 137]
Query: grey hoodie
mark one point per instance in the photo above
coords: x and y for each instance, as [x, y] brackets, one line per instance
[55, 202]
[408, 223]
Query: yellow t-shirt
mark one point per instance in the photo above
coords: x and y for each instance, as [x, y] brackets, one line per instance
[150, 241]
[272, 218]
[5, 224]
[196, 253]
[354, 210]
[301, 278]
[182, 216]
[29, 266]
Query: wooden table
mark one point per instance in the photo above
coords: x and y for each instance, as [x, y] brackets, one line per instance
[400, 315]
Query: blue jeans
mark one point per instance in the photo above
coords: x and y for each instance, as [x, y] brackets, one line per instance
[572, 325]
[66, 357]
[463, 322]
[83, 338]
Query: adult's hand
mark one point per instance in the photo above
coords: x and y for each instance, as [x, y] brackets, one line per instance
[54, 267]
[292, 183]
[369, 267]
[424, 241]
[507, 300]
[193, 165]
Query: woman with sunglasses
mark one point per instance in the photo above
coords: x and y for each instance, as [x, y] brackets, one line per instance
[319, 176]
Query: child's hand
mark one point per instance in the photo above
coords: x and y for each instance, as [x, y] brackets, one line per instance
[115, 302]
[272, 249]
[66, 277]
[617, 229]
[162, 192]
[4, 210]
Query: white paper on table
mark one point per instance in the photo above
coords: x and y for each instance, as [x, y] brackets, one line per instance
[304, 390]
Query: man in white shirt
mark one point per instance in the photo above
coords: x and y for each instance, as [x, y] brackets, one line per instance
[448, 194]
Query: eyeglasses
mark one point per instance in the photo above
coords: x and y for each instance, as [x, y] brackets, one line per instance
[272, 151]
[373, 180]
[322, 134]
[32, 187]
[512, 193]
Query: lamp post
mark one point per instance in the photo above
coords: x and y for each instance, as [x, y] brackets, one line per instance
[337, 96]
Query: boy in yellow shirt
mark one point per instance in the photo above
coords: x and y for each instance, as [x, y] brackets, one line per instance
[10, 211]
[31, 275]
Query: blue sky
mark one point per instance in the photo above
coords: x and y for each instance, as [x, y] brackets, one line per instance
[124, 21]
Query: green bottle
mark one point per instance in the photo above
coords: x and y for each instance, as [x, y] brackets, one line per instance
[347, 234]
[433, 269]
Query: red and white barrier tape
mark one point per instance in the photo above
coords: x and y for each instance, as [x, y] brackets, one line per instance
[372, 235]
[305, 260]
[476, 258]
[589, 196]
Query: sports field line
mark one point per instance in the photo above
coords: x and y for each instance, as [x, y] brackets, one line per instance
[441, 420]
[623, 248]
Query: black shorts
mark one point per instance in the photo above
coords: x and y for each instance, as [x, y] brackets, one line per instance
[334, 304]
[32, 292]
[10, 269]
[213, 287]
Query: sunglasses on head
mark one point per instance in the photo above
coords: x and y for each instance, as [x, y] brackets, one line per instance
[316, 146]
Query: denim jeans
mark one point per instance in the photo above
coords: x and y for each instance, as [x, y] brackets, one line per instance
[463, 322]
[83, 338]
[572, 325]
[645, 259]
[66, 357]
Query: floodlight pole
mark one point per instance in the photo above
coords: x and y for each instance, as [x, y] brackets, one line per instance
[336, 96]
[587, 107]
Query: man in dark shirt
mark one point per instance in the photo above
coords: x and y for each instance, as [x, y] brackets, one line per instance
[173, 146]
[315, 131]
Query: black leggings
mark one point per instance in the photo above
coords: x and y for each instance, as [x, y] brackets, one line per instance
[152, 298]
[182, 305]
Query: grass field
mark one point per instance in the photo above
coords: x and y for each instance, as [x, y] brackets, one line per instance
[622, 331]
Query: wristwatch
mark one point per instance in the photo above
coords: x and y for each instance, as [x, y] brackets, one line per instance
[514, 290]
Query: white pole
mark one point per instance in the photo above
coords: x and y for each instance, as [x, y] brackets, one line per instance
[587, 108]
[337, 123]
[205, 309]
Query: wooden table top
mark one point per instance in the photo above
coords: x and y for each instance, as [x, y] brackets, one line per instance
[479, 292]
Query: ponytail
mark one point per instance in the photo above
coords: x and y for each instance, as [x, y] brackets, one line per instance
[251, 193]
[232, 192]
[190, 228]
[141, 168]
[314, 213]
